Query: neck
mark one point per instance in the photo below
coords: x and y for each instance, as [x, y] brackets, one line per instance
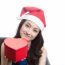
[29, 44]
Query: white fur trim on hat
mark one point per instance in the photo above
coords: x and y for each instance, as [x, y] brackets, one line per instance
[33, 18]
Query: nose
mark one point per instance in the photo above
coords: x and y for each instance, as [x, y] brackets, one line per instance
[29, 32]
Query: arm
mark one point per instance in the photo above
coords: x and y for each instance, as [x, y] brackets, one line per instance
[42, 60]
[3, 58]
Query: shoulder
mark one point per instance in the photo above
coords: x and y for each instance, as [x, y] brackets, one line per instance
[2, 49]
[44, 50]
[2, 45]
[42, 60]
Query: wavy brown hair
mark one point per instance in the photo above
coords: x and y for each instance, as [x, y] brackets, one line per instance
[34, 52]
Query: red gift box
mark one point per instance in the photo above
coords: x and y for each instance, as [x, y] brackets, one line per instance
[15, 49]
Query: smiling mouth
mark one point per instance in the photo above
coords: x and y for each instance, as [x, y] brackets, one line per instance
[26, 35]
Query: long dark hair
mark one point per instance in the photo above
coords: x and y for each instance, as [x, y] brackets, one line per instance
[34, 52]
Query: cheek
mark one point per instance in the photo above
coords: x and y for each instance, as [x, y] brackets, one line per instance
[22, 29]
[20, 32]
[34, 36]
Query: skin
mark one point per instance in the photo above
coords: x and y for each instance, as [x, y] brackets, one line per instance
[29, 30]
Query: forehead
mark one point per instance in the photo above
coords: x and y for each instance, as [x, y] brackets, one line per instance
[32, 24]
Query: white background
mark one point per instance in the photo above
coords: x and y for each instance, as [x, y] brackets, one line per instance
[54, 34]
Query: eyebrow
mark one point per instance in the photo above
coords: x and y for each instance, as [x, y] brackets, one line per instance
[30, 25]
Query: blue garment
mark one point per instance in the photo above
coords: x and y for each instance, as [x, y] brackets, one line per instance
[24, 62]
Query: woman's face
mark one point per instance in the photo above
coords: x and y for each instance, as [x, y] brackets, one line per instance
[29, 30]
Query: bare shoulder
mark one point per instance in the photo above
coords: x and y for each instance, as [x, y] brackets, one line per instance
[44, 50]
[2, 45]
[42, 60]
[2, 49]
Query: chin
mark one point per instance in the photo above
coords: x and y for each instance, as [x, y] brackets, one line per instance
[26, 38]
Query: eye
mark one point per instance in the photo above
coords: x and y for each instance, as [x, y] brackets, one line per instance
[35, 31]
[27, 25]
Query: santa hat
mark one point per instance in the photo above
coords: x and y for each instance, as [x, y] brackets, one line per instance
[34, 14]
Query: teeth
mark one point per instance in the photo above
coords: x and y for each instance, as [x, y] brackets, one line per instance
[27, 36]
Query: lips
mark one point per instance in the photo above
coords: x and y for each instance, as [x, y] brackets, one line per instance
[26, 36]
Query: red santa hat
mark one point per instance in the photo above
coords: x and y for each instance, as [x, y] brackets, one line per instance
[34, 14]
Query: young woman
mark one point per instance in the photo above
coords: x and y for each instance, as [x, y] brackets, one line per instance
[31, 25]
